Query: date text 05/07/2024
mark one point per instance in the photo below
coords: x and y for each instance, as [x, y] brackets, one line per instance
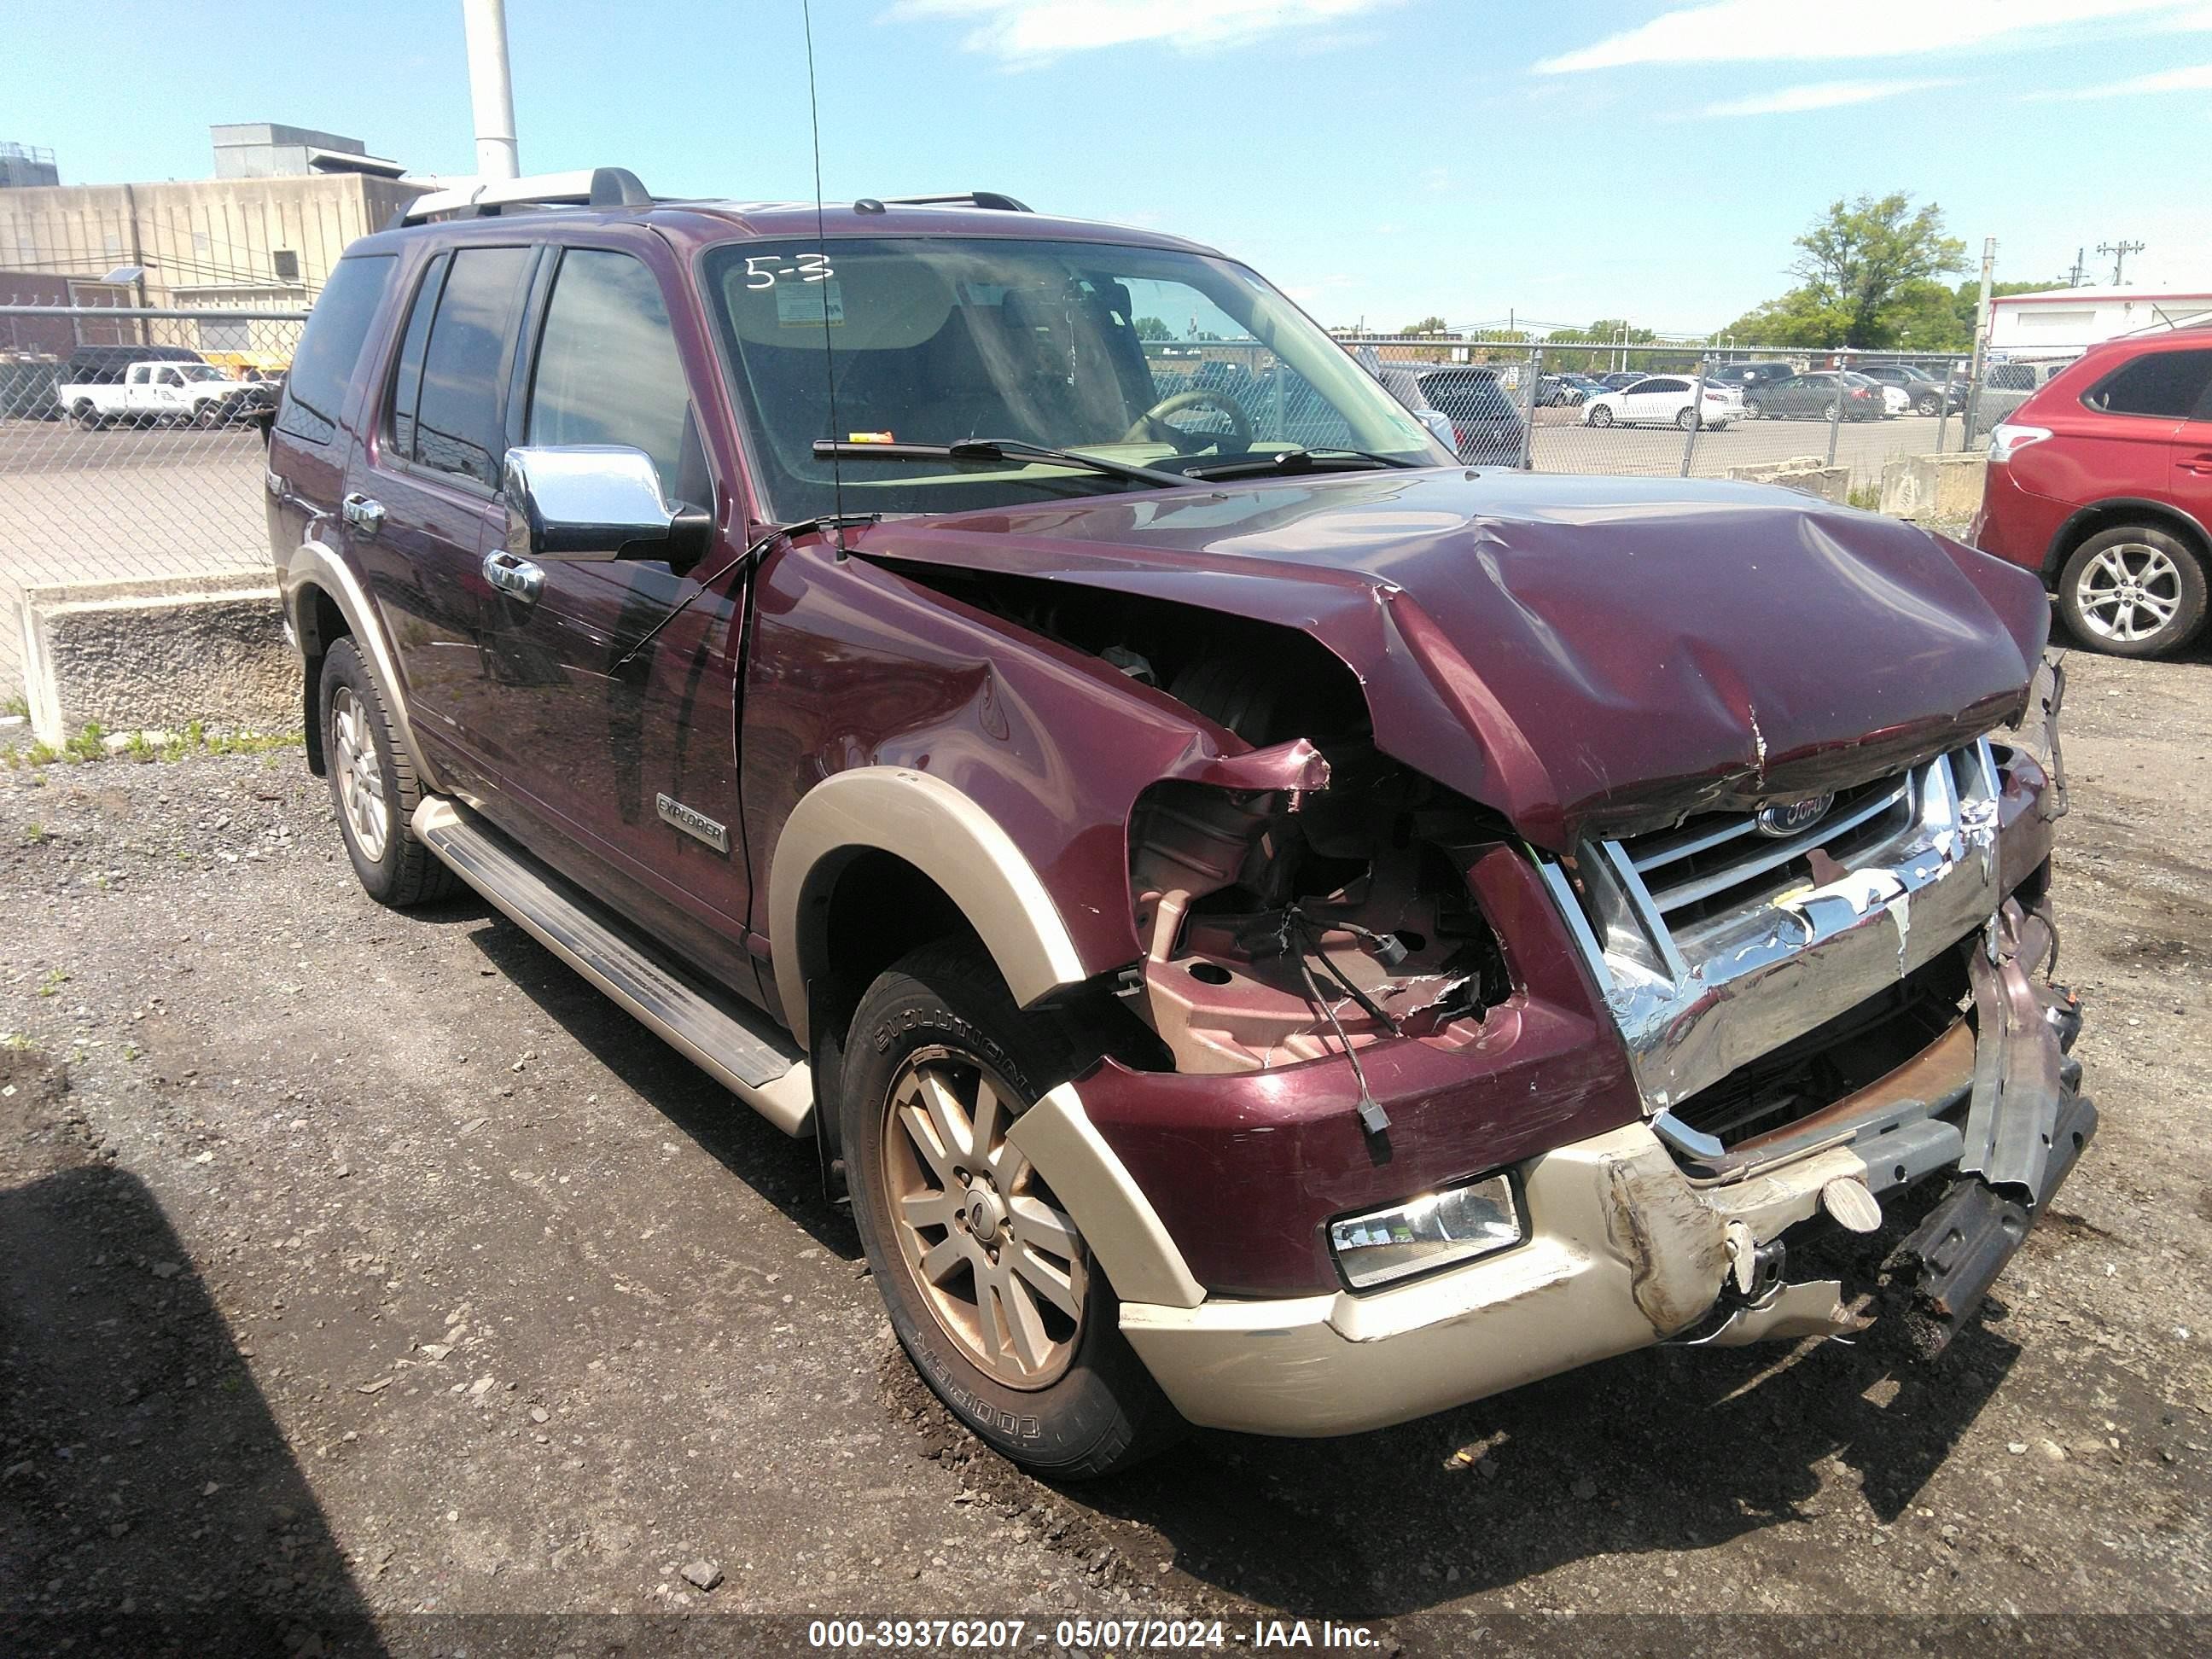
[1095, 1635]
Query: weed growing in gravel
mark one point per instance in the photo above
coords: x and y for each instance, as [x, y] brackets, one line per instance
[18, 706]
[50, 984]
[34, 834]
[91, 744]
[19, 1040]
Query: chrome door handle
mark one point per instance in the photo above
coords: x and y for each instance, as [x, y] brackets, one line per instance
[363, 514]
[512, 575]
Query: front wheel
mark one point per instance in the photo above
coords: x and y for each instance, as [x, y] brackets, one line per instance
[1599, 415]
[991, 1290]
[373, 786]
[2133, 591]
[1930, 405]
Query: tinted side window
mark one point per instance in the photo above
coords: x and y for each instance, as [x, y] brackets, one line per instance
[608, 371]
[1664, 385]
[330, 347]
[2165, 383]
[407, 379]
[458, 426]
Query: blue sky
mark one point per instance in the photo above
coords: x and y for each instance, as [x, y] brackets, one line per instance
[1382, 158]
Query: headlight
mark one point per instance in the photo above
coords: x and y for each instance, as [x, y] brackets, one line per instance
[1435, 1230]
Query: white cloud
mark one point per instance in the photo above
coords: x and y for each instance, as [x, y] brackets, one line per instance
[2196, 78]
[1030, 31]
[1749, 30]
[1821, 94]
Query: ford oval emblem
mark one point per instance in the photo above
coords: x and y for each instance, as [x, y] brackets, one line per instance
[1788, 818]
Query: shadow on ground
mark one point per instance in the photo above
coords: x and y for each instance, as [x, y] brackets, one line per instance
[149, 1502]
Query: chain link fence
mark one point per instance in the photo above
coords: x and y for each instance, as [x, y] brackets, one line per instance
[127, 449]
[1678, 410]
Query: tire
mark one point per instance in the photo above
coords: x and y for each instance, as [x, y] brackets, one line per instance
[2134, 591]
[1686, 420]
[1086, 1407]
[1753, 409]
[1599, 416]
[1828, 412]
[85, 415]
[1930, 405]
[373, 785]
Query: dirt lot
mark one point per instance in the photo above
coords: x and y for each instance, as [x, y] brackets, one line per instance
[360, 1267]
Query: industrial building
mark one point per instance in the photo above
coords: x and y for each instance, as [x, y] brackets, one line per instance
[264, 231]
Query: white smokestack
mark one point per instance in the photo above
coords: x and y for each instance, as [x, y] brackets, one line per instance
[490, 91]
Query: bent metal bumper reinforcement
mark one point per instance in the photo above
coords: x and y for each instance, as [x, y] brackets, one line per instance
[1747, 954]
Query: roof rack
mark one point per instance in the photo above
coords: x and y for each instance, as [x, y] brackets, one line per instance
[586, 187]
[995, 201]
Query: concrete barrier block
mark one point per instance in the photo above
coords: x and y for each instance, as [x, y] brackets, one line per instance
[156, 653]
[1810, 474]
[1934, 488]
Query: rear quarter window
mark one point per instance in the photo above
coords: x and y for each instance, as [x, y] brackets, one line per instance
[330, 347]
[2172, 384]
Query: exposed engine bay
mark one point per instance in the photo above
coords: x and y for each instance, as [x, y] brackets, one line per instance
[1279, 925]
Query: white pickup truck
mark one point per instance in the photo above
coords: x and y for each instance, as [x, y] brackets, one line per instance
[164, 393]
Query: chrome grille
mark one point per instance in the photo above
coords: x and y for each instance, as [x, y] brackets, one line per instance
[1717, 863]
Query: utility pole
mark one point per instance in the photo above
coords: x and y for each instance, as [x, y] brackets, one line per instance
[1981, 338]
[2081, 269]
[491, 91]
[2119, 250]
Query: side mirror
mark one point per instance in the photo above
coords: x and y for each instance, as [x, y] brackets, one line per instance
[595, 502]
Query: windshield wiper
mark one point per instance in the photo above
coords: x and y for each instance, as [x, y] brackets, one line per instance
[1296, 460]
[984, 452]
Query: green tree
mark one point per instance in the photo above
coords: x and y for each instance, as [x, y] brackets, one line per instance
[1427, 326]
[1857, 258]
[1152, 328]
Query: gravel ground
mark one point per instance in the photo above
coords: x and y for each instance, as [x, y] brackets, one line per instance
[360, 1267]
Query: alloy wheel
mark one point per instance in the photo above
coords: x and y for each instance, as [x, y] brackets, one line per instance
[998, 1264]
[2130, 591]
[360, 777]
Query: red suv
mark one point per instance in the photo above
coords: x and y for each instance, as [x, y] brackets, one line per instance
[2102, 482]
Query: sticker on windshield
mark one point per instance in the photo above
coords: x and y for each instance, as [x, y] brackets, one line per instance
[813, 305]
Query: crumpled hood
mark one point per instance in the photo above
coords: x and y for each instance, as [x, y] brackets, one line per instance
[1588, 656]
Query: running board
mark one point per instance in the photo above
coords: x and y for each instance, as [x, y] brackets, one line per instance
[733, 1044]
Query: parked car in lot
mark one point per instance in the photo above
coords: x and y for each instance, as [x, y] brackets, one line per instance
[1620, 378]
[1920, 392]
[2100, 482]
[1664, 400]
[1267, 926]
[1485, 425]
[1567, 391]
[1742, 377]
[161, 393]
[2007, 386]
[1814, 397]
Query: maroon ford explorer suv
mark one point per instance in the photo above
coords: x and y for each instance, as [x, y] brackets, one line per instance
[1269, 927]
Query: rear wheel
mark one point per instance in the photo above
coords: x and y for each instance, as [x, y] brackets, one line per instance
[1828, 410]
[991, 1288]
[2134, 592]
[1687, 419]
[85, 415]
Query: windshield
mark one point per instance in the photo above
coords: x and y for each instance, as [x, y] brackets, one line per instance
[1168, 361]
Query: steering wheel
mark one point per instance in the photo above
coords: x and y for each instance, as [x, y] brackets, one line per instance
[1151, 426]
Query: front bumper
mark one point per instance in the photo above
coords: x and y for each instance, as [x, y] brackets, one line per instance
[1630, 1246]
